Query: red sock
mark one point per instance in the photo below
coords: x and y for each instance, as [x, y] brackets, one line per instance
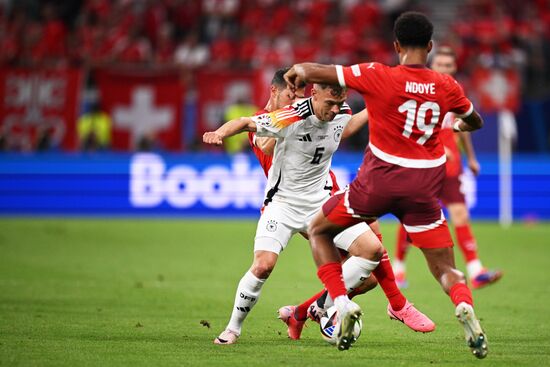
[466, 242]
[402, 244]
[386, 279]
[301, 309]
[331, 276]
[461, 293]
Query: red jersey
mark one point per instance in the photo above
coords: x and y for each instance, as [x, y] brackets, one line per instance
[406, 106]
[448, 139]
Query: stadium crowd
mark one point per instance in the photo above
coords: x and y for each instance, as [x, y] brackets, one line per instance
[232, 34]
[253, 33]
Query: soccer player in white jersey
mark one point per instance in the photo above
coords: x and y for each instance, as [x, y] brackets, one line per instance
[308, 133]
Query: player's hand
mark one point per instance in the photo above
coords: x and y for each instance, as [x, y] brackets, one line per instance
[292, 79]
[212, 137]
[474, 166]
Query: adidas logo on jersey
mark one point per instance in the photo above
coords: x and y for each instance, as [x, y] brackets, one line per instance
[306, 137]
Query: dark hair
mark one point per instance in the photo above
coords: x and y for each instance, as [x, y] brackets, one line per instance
[413, 29]
[335, 89]
[278, 78]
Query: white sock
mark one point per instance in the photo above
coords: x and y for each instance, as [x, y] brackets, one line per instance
[398, 266]
[355, 270]
[474, 267]
[247, 295]
[340, 302]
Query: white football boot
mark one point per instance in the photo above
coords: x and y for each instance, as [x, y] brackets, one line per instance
[227, 337]
[348, 314]
[475, 337]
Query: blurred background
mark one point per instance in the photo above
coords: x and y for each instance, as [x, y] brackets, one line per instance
[104, 103]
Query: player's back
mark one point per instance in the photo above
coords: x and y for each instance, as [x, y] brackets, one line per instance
[406, 106]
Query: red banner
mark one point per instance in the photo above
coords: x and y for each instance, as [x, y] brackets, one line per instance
[38, 109]
[217, 90]
[146, 108]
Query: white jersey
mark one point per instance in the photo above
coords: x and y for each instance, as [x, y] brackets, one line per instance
[299, 174]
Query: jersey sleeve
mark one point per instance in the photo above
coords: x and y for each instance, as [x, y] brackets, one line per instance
[276, 124]
[358, 76]
[459, 104]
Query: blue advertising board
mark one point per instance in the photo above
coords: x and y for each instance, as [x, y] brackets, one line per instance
[211, 185]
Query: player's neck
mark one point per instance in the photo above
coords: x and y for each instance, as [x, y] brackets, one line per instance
[270, 106]
[413, 56]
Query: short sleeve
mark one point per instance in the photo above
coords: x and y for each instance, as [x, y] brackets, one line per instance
[275, 124]
[459, 104]
[358, 76]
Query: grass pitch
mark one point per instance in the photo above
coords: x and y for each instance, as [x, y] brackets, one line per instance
[157, 292]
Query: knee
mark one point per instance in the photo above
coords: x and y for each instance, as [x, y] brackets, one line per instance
[368, 247]
[313, 230]
[459, 215]
[262, 268]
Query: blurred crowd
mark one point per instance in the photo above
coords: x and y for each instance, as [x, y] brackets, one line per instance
[230, 34]
[259, 33]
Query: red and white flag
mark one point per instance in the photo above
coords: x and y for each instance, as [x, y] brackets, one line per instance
[143, 104]
[37, 102]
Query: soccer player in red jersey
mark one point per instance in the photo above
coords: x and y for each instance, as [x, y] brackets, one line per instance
[403, 169]
[295, 316]
[444, 61]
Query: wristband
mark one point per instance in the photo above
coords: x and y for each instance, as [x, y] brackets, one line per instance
[456, 126]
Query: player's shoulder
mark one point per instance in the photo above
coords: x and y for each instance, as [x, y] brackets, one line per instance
[303, 107]
[261, 112]
[450, 84]
[368, 67]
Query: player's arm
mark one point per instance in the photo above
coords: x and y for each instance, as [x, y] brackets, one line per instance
[230, 128]
[309, 72]
[357, 121]
[472, 122]
[466, 140]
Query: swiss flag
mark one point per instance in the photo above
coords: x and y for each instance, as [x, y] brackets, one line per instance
[497, 89]
[143, 105]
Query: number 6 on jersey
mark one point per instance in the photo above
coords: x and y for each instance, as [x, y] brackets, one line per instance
[428, 129]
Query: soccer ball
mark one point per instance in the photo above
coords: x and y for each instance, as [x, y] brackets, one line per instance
[328, 326]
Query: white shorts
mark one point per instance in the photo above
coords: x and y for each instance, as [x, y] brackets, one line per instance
[279, 222]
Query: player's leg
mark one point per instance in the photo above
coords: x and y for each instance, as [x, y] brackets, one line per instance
[272, 236]
[435, 242]
[401, 247]
[321, 233]
[399, 308]
[326, 256]
[365, 251]
[478, 275]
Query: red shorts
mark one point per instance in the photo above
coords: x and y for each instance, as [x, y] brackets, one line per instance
[451, 192]
[411, 194]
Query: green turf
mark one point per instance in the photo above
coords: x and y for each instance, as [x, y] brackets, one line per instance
[133, 292]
